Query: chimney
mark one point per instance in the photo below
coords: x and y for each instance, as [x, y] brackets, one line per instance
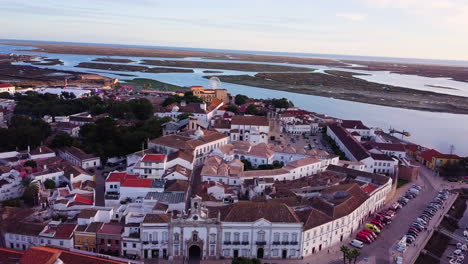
[45, 166]
[40, 149]
[183, 103]
[203, 106]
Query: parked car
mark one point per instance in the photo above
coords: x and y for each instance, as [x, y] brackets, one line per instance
[373, 228]
[356, 243]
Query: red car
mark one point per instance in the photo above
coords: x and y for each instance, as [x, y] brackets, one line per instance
[379, 224]
[369, 232]
[363, 238]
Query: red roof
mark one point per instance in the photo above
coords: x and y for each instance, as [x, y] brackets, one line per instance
[429, 154]
[120, 177]
[137, 183]
[83, 199]
[154, 158]
[64, 231]
[113, 229]
[5, 85]
[369, 188]
[412, 147]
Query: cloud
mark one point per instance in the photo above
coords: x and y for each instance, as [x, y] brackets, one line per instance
[352, 16]
[450, 14]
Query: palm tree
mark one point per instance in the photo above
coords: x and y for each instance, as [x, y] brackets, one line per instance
[31, 190]
[354, 254]
[345, 251]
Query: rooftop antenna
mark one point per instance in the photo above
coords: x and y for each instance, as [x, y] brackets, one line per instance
[452, 149]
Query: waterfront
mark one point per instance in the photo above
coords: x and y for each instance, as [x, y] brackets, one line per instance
[438, 130]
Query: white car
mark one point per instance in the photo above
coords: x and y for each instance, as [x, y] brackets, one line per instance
[356, 243]
[399, 260]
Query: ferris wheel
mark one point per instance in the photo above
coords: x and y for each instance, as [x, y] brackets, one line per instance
[215, 83]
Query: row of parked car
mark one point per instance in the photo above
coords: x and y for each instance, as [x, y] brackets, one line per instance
[422, 221]
[374, 227]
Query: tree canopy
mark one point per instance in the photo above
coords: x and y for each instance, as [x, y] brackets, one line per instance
[188, 98]
[240, 99]
[23, 132]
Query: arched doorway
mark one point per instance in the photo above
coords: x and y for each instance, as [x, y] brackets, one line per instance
[260, 253]
[194, 252]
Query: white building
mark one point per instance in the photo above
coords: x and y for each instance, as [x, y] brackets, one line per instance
[355, 151]
[150, 166]
[200, 111]
[10, 184]
[79, 158]
[255, 129]
[120, 186]
[7, 88]
[196, 143]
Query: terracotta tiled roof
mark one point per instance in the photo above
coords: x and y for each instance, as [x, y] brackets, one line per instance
[94, 227]
[111, 228]
[388, 146]
[157, 218]
[84, 199]
[264, 173]
[353, 124]
[176, 186]
[381, 157]
[145, 183]
[24, 228]
[355, 147]
[154, 158]
[186, 140]
[87, 213]
[120, 177]
[180, 154]
[64, 231]
[253, 211]
[40, 256]
[180, 169]
[9, 256]
[250, 120]
[78, 153]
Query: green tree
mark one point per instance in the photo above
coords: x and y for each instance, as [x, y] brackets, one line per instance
[251, 110]
[49, 184]
[31, 191]
[354, 254]
[30, 163]
[141, 108]
[281, 103]
[345, 251]
[232, 108]
[62, 140]
[240, 99]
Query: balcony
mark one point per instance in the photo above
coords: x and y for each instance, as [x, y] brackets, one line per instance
[260, 243]
[236, 243]
[276, 243]
[109, 196]
[245, 242]
[145, 242]
[154, 242]
[227, 243]
[285, 243]
[294, 243]
[134, 235]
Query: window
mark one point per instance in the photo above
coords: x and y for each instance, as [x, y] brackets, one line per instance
[245, 236]
[292, 252]
[78, 239]
[261, 236]
[245, 252]
[195, 237]
[285, 236]
[294, 237]
[176, 237]
[213, 238]
[236, 237]
[227, 236]
[212, 250]
[176, 250]
[164, 236]
[134, 245]
[275, 252]
[226, 252]
[276, 237]
[61, 243]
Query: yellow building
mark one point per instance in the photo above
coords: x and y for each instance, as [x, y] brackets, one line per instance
[208, 95]
[434, 159]
[85, 236]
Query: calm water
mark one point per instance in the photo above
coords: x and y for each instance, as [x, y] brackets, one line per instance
[437, 130]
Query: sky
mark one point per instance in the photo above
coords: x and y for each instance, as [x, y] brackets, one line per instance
[431, 29]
